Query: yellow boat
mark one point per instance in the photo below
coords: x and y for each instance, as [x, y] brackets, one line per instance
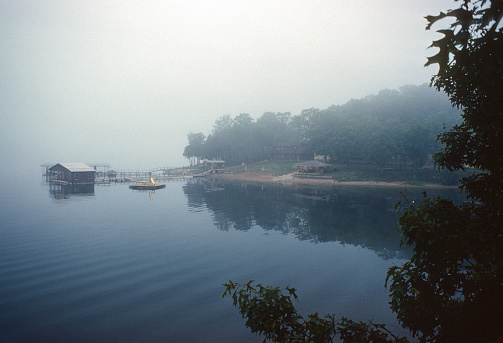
[148, 186]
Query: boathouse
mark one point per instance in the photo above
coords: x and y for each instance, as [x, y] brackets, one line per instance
[214, 166]
[313, 167]
[72, 173]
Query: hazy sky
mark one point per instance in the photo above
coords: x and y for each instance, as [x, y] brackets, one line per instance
[124, 82]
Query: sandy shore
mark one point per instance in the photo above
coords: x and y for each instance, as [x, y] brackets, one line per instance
[264, 177]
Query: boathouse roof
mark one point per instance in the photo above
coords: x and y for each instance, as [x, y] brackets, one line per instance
[76, 167]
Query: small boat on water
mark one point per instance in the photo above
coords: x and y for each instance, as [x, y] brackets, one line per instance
[148, 186]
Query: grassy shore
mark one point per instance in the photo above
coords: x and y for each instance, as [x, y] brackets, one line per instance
[278, 170]
[276, 167]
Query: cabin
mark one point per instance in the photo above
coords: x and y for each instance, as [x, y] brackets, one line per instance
[214, 165]
[290, 152]
[313, 166]
[72, 173]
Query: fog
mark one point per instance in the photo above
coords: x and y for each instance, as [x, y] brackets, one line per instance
[124, 82]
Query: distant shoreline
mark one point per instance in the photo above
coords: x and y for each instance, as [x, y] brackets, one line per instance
[270, 178]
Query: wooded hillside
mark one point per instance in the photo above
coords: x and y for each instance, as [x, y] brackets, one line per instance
[394, 127]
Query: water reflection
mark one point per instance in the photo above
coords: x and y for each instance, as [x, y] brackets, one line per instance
[149, 193]
[357, 216]
[59, 191]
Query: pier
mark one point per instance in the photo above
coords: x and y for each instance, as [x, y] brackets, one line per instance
[105, 175]
[162, 172]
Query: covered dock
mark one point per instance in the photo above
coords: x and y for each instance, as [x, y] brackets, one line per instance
[314, 166]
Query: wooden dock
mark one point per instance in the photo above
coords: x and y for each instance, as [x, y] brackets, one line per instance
[106, 175]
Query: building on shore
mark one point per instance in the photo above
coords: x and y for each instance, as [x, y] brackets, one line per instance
[314, 166]
[291, 151]
[215, 166]
[72, 173]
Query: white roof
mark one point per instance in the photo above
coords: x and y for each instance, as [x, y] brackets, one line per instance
[77, 167]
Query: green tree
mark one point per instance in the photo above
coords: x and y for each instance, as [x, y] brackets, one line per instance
[418, 143]
[400, 124]
[269, 311]
[195, 150]
[219, 144]
[452, 288]
[302, 123]
[275, 128]
[245, 146]
[234, 140]
[223, 123]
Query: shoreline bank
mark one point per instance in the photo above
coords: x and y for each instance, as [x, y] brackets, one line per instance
[291, 179]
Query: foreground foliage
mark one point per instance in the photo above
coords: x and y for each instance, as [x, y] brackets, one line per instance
[269, 311]
[452, 288]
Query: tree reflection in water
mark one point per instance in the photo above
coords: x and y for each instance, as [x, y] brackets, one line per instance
[350, 215]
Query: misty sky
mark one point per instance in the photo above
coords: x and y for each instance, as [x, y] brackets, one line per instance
[124, 82]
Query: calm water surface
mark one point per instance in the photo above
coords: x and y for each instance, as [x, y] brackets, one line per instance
[117, 265]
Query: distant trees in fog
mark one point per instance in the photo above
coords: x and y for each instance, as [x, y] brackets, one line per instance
[394, 125]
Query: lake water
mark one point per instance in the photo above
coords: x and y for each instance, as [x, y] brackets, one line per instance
[118, 265]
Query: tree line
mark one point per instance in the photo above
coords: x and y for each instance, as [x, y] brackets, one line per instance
[394, 126]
